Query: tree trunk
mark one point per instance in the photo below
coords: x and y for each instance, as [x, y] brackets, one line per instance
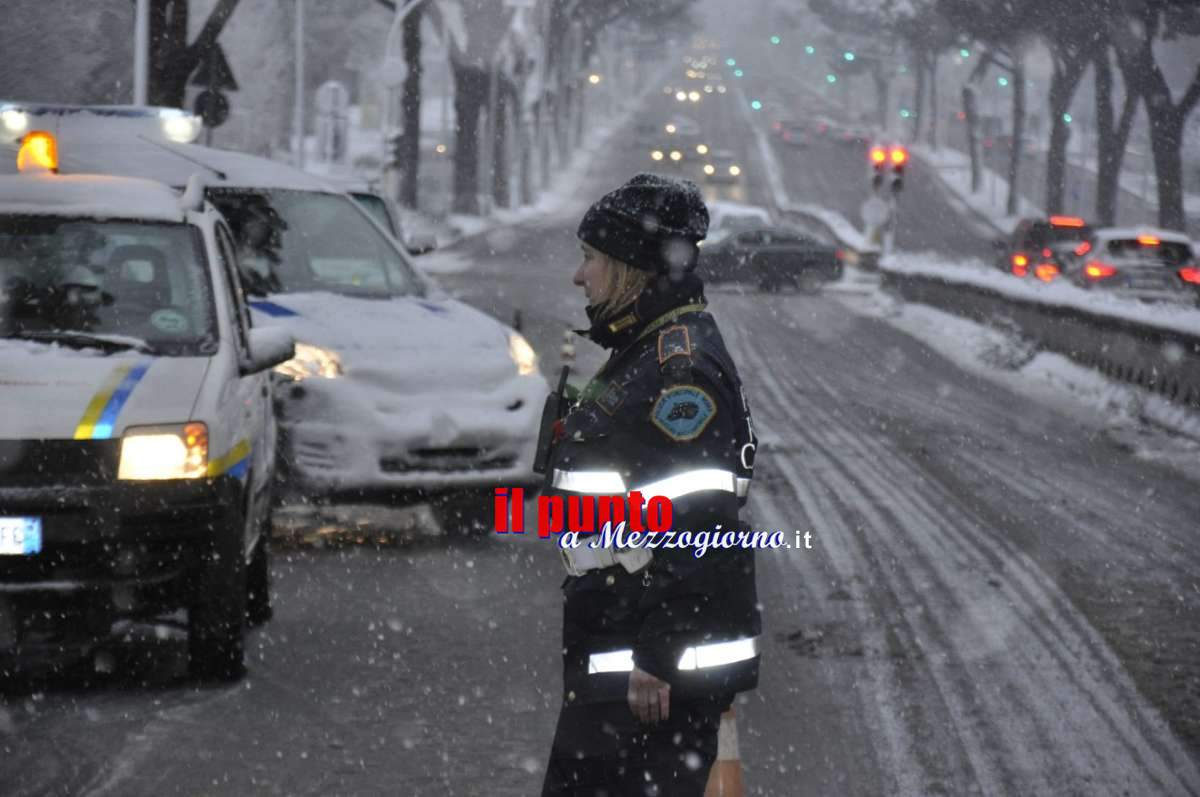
[919, 96]
[1112, 138]
[931, 130]
[1018, 133]
[410, 160]
[968, 96]
[170, 66]
[500, 159]
[882, 90]
[1063, 84]
[470, 96]
[1166, 139]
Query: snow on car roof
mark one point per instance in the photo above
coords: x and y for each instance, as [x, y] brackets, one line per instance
[92, 150]
[88, 195]
[1117, 233]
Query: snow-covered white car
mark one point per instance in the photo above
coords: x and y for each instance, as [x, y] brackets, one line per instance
[397, 392]
[137, 442]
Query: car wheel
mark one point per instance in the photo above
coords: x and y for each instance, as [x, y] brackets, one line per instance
[809, 282]
[258, 585]
[466, 513]
[217, 611]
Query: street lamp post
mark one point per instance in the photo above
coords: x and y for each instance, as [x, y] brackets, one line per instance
[298, 104]
[141, 53]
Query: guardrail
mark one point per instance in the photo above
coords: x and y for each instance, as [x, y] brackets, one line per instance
[1159, 359]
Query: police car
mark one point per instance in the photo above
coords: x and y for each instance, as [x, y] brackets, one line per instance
[397, 393]
[136, 435]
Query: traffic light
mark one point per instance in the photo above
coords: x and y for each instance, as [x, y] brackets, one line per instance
[899, 159]
[879, 158]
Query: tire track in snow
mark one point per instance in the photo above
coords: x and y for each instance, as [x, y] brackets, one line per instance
[1043, 605]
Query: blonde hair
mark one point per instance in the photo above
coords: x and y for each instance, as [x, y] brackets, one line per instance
[623, 285]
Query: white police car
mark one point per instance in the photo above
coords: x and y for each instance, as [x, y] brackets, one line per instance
[136, 436]
[397, 393]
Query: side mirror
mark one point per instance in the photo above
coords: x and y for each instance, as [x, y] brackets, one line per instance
[268, 348]
[420, 243]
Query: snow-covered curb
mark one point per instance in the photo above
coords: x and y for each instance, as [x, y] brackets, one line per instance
[1059, 294]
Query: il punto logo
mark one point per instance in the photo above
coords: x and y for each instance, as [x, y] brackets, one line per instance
[581, 513]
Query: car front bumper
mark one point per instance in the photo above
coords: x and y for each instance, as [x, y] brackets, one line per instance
[343, 440]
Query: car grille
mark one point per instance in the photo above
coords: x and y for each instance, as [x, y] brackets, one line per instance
[41, 463]
[445, 460]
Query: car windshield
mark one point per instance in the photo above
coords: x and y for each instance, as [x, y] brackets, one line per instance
[108, 284]
[1171, 254]
[301, 241]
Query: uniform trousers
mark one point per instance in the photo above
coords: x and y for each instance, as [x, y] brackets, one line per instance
[602, 750]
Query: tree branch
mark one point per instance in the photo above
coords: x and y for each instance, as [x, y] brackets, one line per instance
[212, 29]
[1192, 96]
[388, 4]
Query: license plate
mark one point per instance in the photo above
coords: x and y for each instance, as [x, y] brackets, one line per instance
[20, 536]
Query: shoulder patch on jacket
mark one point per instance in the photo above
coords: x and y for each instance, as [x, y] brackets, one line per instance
[682, 412]
[674, 342]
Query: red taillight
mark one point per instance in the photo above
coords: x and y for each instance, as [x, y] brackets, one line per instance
[1020, 265]
[1066, 221]
[1083, 248]
[840, 255]
[787, 136]
[1046, 272]
[1095, 270]
[1047, 253]
[1190, 274]
[777, 125]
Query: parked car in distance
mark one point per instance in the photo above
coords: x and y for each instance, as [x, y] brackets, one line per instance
[794, 134]
[1144, 263]
[771, 257]
[1038, 247]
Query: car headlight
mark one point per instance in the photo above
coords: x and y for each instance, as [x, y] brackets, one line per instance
[522, 354]
[310, 361]
[153, 453]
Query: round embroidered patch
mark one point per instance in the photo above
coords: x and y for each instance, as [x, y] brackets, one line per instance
[683, 411]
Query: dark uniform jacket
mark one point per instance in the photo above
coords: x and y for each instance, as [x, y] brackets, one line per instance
[668, 405]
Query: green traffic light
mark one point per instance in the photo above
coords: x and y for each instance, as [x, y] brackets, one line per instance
[849, 56]
[965, 53]
[738, 73]
[1067, 118]
[810, 49]
[756, 105]
[775, 40]
[1002, 81]
[730, 62]
[831, 78]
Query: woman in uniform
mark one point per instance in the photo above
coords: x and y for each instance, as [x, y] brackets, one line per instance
[656, 643]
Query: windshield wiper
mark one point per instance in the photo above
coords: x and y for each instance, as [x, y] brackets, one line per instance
[82, 339]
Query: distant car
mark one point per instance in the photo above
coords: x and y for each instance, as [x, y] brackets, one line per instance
[770, 257]
[726, 218]
[722, 167]
[794, 134]
[381, 209]
[1147, 264]
[682, 128]
[855, 136]
[1039, 247]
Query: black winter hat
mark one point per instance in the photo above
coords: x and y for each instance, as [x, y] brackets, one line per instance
[653, 223]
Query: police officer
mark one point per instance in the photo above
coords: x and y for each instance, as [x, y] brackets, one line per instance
[656, 643]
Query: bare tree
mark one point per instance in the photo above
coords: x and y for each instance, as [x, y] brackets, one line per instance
[1134, 26]
[172, 59]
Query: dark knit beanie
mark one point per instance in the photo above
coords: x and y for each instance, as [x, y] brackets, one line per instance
[653, 223]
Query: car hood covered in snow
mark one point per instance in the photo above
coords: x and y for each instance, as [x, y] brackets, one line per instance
[407, 344]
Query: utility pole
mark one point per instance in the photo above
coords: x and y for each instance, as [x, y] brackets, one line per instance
[141, 53]
[298, 104]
